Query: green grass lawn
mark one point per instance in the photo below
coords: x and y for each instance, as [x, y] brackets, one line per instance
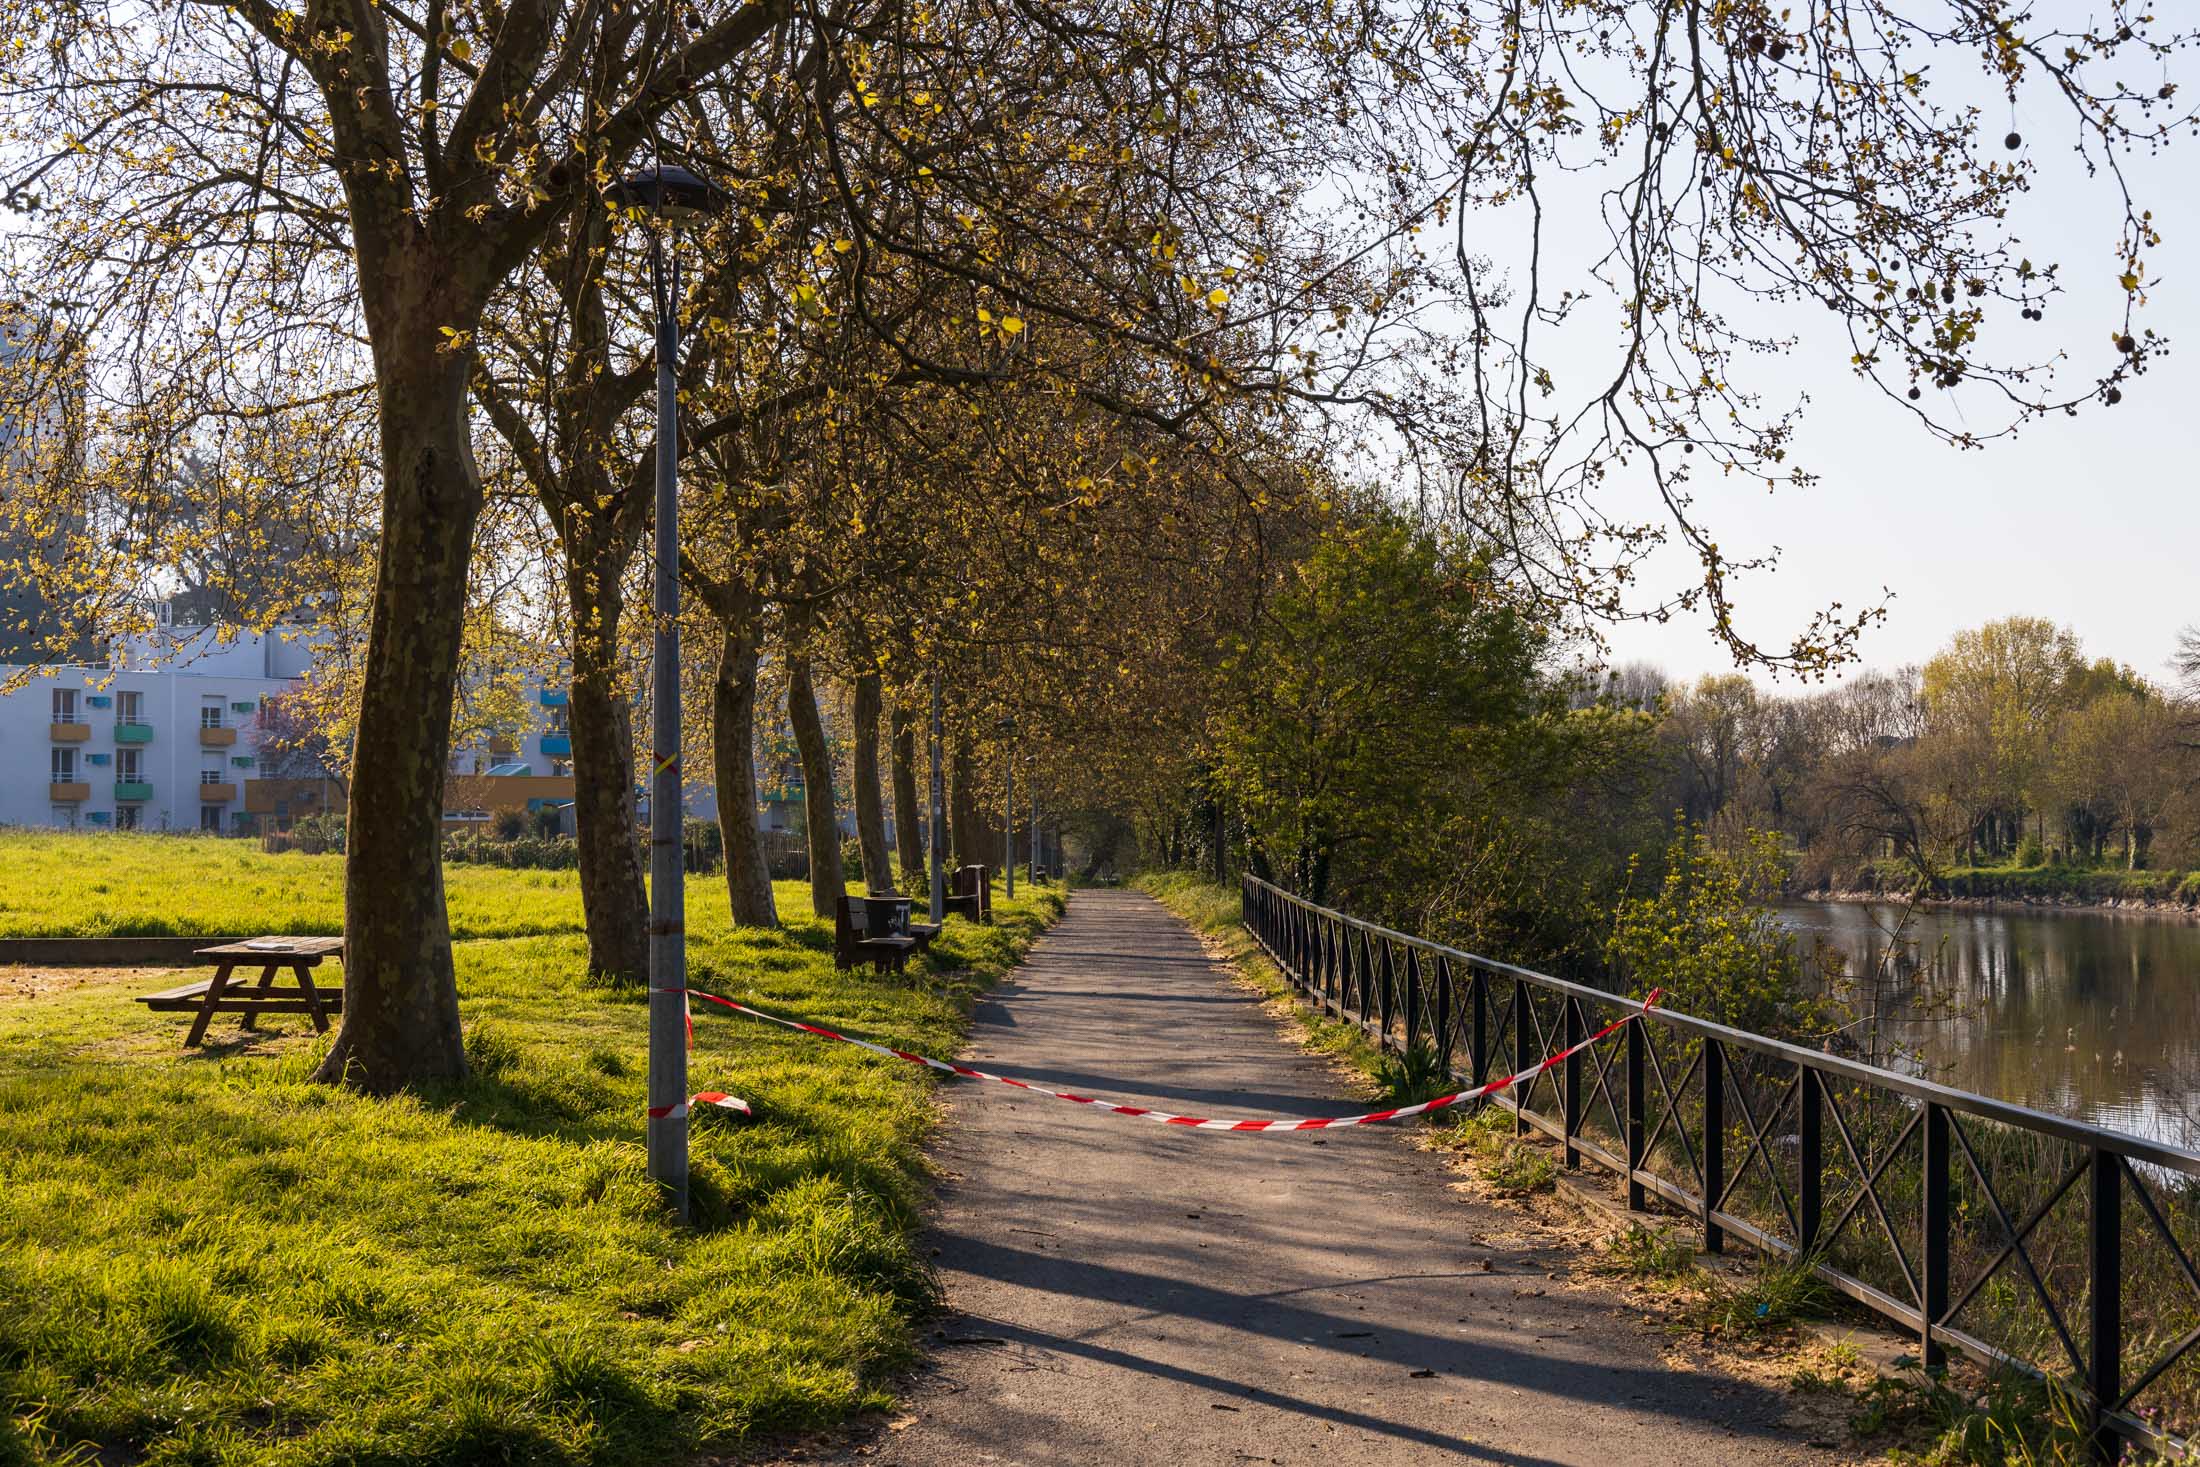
[79, 884]
[206, 1258]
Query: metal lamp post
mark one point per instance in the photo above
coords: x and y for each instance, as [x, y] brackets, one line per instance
[668, 193]
[938, 814]
[1008, 809]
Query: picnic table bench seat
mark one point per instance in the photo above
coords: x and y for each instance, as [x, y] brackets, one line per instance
[872, 930]
[210, 996]
[970, 892]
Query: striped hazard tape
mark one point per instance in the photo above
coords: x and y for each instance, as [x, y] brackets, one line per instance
[701, 1097]
[1203, 1123]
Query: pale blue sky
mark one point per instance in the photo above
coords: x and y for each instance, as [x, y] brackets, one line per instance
[2093, 521]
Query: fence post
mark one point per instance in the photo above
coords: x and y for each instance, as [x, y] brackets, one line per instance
[2105, 1240]
[1386, 1007]
[1443, 1014]
[1523, 1056]
[1637, 1130]
[1478, 1046]
[1573, 1082]
[1415, 1003]
[1935, 1233]
[1714, 1142]
[1810, 1159]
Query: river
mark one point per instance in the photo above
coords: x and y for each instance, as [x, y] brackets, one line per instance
[2094, 1015]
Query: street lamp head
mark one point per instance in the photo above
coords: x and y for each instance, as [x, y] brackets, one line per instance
[670, 192]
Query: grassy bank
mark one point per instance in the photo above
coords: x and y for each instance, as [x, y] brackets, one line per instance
[2045, 885]
[112, 884]
[206, 1258]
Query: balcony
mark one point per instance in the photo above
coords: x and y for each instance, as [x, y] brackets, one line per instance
[500, 744]
[216, 738]
[133, 789]
[557, 746]
[68, 791]
[69, 733]
[553, 697]
[217, 794]
[133, 733]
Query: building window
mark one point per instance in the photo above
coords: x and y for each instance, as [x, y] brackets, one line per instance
[64, 705]
[127, 764]
[64, 765]
[211, 776]
[64, 816]
[130, 708]
[210, 818]
[559, 720]
[210, 716]
[126, 817]
[561, 768]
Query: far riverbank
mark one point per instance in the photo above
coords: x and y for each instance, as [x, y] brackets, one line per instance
[2050, 888]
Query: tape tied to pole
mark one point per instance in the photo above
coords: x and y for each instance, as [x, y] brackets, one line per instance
[1200, 1123]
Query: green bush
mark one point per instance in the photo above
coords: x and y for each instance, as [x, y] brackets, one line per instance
[1710, 937]
[2030, 852]
[509, 825]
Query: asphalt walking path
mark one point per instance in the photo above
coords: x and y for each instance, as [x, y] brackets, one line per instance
[1122, 1292]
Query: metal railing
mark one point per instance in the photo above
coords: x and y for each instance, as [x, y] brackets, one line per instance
[1982, 1226]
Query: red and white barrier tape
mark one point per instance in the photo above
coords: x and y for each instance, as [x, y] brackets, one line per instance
[1281, 1123]
[701, 1097]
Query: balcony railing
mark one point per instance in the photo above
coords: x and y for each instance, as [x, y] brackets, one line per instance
[558, 745]
[133, 789]
[133, 733]
[217, 794]
[216, 737]
[68, 791]
[69, 732]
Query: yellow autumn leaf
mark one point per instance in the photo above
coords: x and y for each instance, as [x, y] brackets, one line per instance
[1218, 297]
[462, 48]
[1010, 325]
[842, 246]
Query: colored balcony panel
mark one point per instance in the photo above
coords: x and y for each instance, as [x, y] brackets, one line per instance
[217, 794]
[501, 744]
[69, 733]
[553, 697]
[558, 746]
[68, 791]
[133, 789]
[133, 733]
[217, 738]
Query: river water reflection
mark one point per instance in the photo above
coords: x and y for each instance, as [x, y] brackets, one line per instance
[2094, 1015]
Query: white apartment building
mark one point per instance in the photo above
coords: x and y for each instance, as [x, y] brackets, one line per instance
[161, 737]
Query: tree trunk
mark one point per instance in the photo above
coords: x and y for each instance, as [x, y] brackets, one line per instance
[910, 816]
[614, 899]
[963, 818]
[878, 871]
[401, 1022]
[733, 762]
[827, 884]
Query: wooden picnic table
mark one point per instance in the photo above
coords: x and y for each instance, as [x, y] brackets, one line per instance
[211, 996]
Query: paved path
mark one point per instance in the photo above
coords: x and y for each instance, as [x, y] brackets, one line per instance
[1128, 1294]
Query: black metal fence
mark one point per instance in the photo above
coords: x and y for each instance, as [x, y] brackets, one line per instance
[2021, 1239]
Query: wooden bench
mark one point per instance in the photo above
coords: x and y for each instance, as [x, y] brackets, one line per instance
[970, 892]
[863, 932]
[215, 995]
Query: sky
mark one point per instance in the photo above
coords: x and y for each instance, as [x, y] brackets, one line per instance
[2093, 521]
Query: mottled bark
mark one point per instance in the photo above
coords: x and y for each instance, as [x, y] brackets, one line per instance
[820, 817]
[614, 898]
[878, 874]
[733, 740]
[964, 818]
[401, 1023]
[910, 815]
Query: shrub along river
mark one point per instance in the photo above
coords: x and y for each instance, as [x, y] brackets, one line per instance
[2093, 1015]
